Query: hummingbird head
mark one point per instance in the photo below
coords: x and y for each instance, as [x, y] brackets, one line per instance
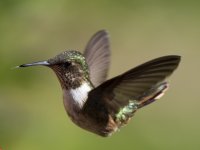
[69, 66]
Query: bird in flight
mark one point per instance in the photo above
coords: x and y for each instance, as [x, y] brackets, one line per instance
[103, 106]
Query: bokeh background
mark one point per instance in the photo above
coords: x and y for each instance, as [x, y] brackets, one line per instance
[32, 116]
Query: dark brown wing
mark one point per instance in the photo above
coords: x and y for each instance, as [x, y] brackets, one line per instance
[97, 53]
[122, 94]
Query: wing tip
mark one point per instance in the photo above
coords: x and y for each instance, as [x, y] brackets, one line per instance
[103, 32]
[175, 58]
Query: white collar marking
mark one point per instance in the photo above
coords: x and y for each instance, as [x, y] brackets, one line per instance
[80, 94]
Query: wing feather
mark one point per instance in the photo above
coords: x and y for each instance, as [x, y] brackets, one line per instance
[137, 84]
[97, 54]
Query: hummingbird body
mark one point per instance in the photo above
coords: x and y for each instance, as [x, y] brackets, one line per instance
[100, 106]
[76, 85]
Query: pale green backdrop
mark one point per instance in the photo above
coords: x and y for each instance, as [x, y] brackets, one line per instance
[32, 116]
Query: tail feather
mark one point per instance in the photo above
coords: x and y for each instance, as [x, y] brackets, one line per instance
[154, 94]
[125, 113]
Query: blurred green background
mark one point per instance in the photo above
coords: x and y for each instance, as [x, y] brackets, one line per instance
[32, 115]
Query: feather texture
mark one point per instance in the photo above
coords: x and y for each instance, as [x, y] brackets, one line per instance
[123, 95]
[97, 54]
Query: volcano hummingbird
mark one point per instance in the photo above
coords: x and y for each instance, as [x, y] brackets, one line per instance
[101, 106]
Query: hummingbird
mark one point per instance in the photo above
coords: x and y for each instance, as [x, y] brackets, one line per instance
[103, 106]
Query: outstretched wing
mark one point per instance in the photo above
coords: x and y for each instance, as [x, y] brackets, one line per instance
[122, 95]
[97, 54]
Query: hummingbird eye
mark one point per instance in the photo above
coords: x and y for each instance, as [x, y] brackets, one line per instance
[66, 64]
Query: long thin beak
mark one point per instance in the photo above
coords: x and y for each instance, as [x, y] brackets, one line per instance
[39, 63]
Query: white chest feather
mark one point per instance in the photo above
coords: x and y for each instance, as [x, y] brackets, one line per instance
[80, 94]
